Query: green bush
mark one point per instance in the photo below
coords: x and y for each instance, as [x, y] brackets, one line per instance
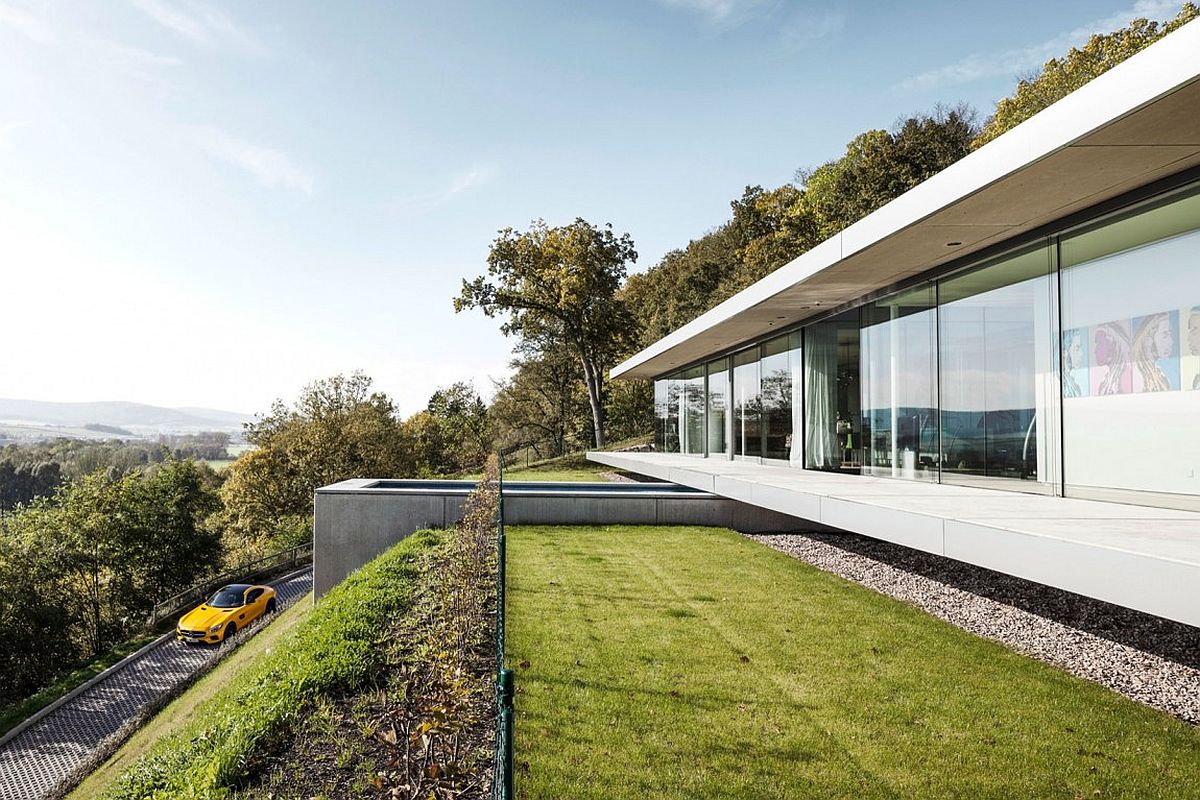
[337, 647]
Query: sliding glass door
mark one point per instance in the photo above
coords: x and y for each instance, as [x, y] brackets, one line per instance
[899, 385]
[995, 350]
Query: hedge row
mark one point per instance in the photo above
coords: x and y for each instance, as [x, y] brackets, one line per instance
[338, 646]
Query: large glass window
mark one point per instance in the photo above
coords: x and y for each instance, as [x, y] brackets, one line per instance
[666, 410]
[660, 415]
[1131, 353]
[691, 411]
[899, 385]
[718, 407]
[995, 337]
[833, 419]
[747, 405]
[776, 375]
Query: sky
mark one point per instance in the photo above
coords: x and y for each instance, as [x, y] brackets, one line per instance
[213, 204]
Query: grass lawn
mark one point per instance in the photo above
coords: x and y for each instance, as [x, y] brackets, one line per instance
[572, 468]
[182, 710]
[674, 662]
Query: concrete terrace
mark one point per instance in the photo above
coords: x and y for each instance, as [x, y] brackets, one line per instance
[1136, 556]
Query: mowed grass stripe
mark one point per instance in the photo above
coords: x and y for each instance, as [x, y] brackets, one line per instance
[673, 662]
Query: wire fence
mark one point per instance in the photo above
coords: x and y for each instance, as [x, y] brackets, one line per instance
[502, 771]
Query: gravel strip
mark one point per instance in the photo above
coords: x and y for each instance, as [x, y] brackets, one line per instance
[1146, 658]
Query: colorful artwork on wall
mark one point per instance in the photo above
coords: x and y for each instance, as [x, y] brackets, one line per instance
[1155, 351]
[1110, 369]
[1189, 362]
[1075, 362]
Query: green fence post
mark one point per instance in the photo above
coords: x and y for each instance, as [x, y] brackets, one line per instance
[506, 716]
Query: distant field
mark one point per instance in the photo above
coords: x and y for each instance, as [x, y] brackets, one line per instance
[31, 433]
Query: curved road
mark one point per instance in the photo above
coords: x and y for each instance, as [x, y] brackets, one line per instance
[35, 763]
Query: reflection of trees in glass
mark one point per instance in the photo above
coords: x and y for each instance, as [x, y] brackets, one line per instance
[777, 413]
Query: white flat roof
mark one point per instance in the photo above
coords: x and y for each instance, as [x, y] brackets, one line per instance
[1134, 556]
[1137, 123]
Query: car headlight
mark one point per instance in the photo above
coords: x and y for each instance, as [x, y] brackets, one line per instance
[215, 628]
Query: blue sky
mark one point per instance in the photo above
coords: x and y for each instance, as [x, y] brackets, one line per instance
[207, 203]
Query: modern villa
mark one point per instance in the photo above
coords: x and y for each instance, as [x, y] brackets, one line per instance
[1001, 366]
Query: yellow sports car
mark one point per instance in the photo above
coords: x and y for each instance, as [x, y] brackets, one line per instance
[232, 608]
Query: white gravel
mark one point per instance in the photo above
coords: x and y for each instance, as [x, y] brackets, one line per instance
[1149, 659]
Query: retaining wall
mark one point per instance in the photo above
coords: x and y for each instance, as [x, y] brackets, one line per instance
[356, 520]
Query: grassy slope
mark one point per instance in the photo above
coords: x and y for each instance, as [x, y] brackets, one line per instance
[182, 711]
[334, 647]
[693, 663]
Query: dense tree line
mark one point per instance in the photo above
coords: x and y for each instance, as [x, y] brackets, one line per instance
[80, 570]
[32, 470]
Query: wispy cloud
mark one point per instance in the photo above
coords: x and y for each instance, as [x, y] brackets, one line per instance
[202, 24]
[133, 61]
[25, 22]
[802, 28]
[268, 166]
[720, 12]
[463, 182]
[1024, 59]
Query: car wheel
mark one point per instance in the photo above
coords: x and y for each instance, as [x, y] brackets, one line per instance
[271, 606]
[230, 630]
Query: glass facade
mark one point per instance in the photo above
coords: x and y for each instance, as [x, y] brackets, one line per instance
[1131, 353]
[973, 378]
[691, 411]
[899, 385]
[775, 367]
[994, 335]
[718, 407]
[747, 405]
[833, 419]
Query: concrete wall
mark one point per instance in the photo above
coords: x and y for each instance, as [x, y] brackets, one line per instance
[354, 522]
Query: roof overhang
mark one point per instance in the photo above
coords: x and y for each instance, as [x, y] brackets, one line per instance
[1136, 124]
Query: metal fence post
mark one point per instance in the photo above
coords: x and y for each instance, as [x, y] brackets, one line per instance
[506, 720]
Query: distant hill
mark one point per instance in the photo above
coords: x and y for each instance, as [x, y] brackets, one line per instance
[137, 418]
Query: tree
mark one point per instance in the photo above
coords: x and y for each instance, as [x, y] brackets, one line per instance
[561, 284]
[465, 424]
[543, 405]
[1059, 77]
[337, 429]
[879, 166]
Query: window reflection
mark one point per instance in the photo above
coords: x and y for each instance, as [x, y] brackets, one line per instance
[691, 411]
[747, 405]
[718, 399]
[899, 385]
[776, 376]
[994, 335]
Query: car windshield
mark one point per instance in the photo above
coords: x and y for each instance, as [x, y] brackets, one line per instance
[227, 598]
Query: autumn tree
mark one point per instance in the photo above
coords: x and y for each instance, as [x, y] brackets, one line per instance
[1058, 77]
[543, 404]
[560, 284]
[338, 428]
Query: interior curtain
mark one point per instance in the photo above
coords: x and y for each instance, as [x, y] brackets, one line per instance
[820, 378]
